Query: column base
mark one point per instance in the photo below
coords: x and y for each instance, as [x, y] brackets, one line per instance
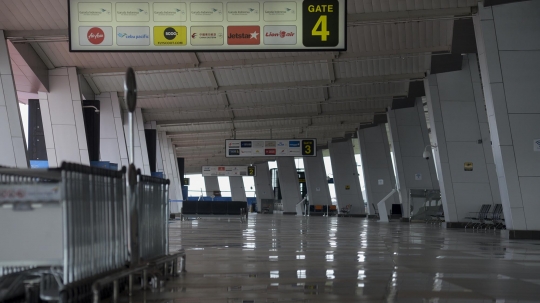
[455, 224]
[521, 234]
[372, 217]
[289, 213]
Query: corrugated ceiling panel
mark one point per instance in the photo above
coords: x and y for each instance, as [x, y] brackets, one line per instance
[270, 74]
[258, 97]
[377, 89]
[183, 101]
[352, 106]
[367, 67]
[229, 56]
[58, 53]
[33, 14]
[396, 36]
[370, 6]
[184, 115]
[197, 127]
[275, 110]
[154, 81]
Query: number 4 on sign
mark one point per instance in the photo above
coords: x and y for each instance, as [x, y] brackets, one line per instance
[322, 23]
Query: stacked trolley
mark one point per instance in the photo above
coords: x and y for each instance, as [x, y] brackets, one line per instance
[79, 233]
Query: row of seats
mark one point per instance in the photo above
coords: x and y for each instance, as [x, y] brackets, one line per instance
[323, 209]
[213, 207]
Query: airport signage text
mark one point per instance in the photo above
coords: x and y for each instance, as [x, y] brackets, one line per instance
[271, 148]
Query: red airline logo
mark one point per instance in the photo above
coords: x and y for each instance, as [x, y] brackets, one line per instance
[243, 35]
[95, 35]
[269, 151]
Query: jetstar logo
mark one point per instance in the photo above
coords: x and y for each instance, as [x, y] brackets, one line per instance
[95, 35]
[243, 35]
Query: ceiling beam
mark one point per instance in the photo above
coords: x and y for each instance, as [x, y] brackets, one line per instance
[282, 85]
[281, 103]
[410, 15]
[272, 117]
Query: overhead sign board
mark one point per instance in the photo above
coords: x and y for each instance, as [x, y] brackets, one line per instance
[178, 25]
[271, 148]
[228, 171]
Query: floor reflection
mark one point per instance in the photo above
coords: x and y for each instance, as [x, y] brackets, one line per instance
[276, 258]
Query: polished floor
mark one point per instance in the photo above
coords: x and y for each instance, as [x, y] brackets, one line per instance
[276, 258]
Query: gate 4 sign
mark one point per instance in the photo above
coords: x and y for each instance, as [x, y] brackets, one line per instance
[320, 23]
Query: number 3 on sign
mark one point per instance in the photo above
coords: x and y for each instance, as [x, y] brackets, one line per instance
[322, 23]
[307, 149]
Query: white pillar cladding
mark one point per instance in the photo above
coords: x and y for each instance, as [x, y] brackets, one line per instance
[238, 191]
[13, 142]
[263, 183]
[458, 121]
[408, 137]
[288, 184]
[112, 141]
[508, 42]
[212, 184]
[377, 166]
[141, 152]
[316, 180]
[62, 116]
[346, 180]
[170, 168]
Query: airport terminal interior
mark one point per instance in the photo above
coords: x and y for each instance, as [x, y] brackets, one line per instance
[270, 151]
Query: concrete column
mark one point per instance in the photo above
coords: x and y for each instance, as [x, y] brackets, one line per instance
[212, 184]
[63, 122]
[238, 191]
[508, 44]
[346, 180]
[316, 180]
[458, 123]
[13, 143]
[263, 183]
[408, 137]
[170, 168]
[141, 152]
[377, 166]
[112, 141]
[288, 183]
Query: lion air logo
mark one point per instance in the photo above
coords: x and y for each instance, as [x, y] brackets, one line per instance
[95, 35]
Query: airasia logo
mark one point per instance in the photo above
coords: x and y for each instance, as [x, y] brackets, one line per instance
[95, 35]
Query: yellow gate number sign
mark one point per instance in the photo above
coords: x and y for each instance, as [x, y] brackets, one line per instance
[251, 171]
[308, 147]
[320, 22]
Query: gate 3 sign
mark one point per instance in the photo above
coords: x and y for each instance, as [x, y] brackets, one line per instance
[271, 148]
[217, 25]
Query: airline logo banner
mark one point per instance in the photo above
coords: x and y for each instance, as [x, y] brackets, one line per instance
[271, 148]
[228, 171]
[213, 25]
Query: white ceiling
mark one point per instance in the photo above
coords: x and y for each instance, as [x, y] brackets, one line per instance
[201, 99]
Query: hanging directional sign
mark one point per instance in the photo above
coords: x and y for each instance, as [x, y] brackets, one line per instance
[228, 171]
[271, 148]
[193, 25]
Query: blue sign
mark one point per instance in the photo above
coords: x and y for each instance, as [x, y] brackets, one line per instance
[100, 164]
[158, 175]
[294, 143]
[39, 164]
[234, 152]
[245, 144]
[113, 166]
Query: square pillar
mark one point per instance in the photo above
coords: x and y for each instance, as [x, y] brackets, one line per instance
[508, 41]
[458, 122]
[316, 180]
[288, 183]
[238, 191]
[112, 141]
[346, 179]
[62, 116]
[377, 166]
[13, 151]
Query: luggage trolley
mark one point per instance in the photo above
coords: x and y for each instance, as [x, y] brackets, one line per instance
[63, 225]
